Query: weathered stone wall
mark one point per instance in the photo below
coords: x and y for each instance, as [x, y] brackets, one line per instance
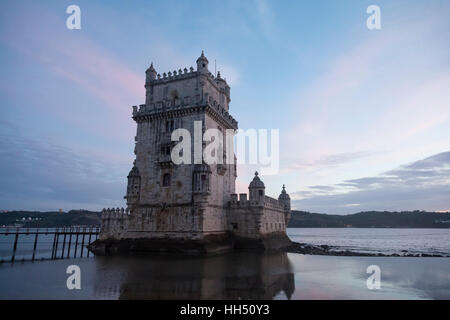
[114, 223]
[222, 184]
[253, 219]
[273, 219]
[153, 162]
[214, 220]
[176, 222]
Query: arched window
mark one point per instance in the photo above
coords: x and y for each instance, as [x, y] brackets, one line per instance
[166, 180]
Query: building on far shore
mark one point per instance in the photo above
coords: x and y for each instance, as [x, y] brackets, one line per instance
[191, 208]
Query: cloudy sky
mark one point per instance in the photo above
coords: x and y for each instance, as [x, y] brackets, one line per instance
[364, 115]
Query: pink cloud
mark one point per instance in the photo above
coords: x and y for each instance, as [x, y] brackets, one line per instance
[73, 56]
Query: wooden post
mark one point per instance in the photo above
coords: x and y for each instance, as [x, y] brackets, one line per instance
[76, 244]
[64, 243]
[35, 244]
[82, 243]
[56, 246]
[70, 242]
[53, 247]
[15, 246]
[89, 241]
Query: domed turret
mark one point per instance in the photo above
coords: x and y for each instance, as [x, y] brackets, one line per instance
[256, 188]
[221, 82]
[134, 185]
[134, 172]
[202, 64]
[150, 74]
[285, 200]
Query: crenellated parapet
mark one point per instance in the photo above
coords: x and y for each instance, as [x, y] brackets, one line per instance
[219, 83]
[114, 223]
[115, 213]
[241, 201]
[172, 76]
[273, 203]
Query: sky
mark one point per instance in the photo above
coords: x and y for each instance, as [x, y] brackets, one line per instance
[364, 115]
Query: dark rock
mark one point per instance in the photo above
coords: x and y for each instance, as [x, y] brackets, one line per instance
[209, 245]
[304, 248]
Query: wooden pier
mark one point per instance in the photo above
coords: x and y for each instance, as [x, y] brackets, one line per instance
[62, 238]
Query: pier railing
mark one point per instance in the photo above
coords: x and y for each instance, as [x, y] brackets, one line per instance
[66, 242]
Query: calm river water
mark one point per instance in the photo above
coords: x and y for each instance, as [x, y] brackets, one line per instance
[250, 275]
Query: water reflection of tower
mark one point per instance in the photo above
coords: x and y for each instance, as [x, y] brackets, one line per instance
[231, 276]
[259, 277]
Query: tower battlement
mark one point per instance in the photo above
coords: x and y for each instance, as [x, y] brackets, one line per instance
[198, 86]
[184, 73]
[244, 202]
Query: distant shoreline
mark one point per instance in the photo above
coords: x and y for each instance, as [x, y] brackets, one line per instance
[299, 219]
[371, 219]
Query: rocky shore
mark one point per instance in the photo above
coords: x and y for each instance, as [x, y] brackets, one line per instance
[326, 250]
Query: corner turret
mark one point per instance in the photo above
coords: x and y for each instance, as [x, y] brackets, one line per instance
[256, 189]
[202, 64]
[134, 186]
[285, 200]
[150, 74]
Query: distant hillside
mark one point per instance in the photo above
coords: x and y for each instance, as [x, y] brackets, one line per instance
[33, 219]
[299, 219]
[371, 219]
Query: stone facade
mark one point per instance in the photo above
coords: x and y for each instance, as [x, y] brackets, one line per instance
[188, 207]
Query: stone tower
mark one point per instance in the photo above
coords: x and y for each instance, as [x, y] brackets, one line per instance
[181, 200]
[191, 206]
